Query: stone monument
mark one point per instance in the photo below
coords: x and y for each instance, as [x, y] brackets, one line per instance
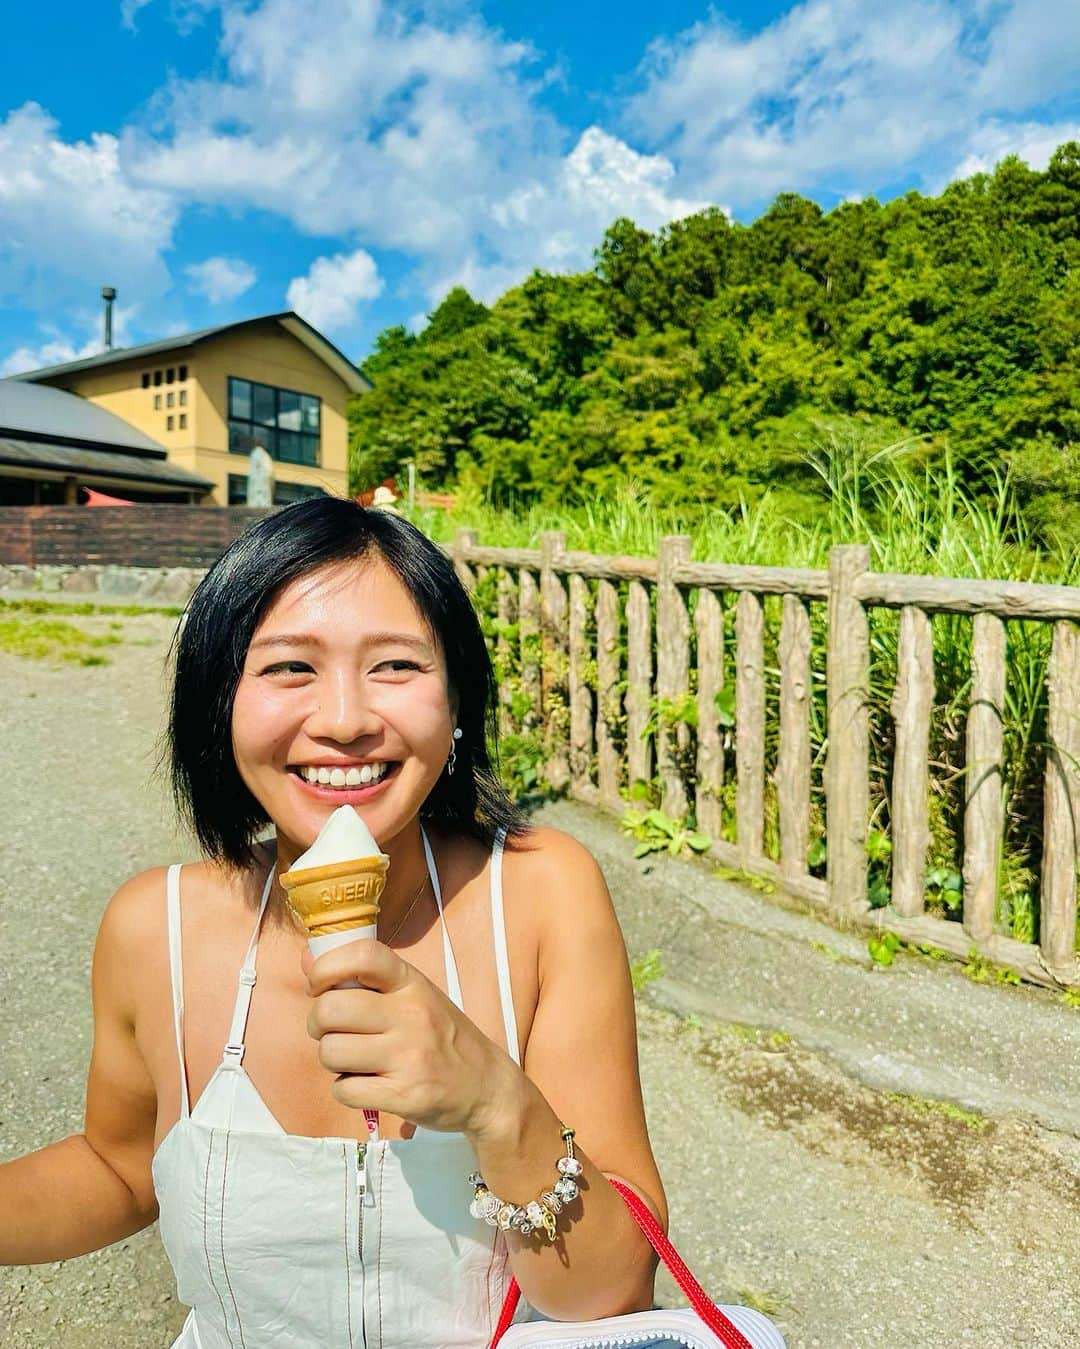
[260, 483]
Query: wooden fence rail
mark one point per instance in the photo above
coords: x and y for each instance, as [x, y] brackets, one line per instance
[631, 666]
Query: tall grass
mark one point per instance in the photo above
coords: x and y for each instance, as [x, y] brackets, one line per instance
[917, 517]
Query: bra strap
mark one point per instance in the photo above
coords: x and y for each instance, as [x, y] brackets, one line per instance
[234, 1049]
[176, 975]
[453, 983]
[502, 958]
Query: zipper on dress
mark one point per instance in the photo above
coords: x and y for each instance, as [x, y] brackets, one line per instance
[361, 1193]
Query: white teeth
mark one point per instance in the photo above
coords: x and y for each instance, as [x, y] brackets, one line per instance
[339, 777]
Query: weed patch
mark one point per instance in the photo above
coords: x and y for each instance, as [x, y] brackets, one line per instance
[52, 640]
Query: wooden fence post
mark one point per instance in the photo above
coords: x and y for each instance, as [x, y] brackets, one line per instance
[639, 684]
[984, 809]
[506, 613]
[847, 776]
[912, 704]
[793, 757]
[1061, 814]
[709, 623]
[464, 539]
[672, 670]
[607, 686]
[749, 724]
[581, 701]
[554, 658]
[529, 639]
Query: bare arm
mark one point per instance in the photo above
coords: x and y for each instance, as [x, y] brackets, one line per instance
[95, 1188]
[581, 1068]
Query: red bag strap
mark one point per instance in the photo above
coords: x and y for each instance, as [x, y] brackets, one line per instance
[729, 1335]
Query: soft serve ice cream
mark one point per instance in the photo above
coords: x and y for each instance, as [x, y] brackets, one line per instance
[334, 888]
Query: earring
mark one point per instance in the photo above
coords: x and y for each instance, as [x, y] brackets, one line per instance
[453, 751]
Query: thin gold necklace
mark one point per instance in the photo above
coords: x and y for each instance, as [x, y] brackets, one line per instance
[423, 884]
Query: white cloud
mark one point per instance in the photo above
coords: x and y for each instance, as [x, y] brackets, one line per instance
[1033, 142]
[842, 96]
[328, 297]
[221, 279]
[129, 10]
[56, 347]
[72, 220]
[402, 134]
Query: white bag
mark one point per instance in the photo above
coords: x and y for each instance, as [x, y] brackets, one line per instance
[707, 1326]
[644, 1330]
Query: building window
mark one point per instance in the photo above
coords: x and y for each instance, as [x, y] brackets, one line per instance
[183, 396]
[170, 374]
[146, 379]
[183, 421]
[169, 423]
[157, 402]
[157, 378]
[237, 489]
[170, 399]
[285, 423]
[181, 373]
[285, 493]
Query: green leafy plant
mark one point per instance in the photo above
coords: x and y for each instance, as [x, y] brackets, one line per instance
[944, 891]
[883, 947]
[657, 832]
[981, 970]
[878, 852]
[646, 968]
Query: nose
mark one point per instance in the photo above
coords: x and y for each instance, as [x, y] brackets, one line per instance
[342, 712]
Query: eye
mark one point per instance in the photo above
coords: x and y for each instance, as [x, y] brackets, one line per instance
[288, 667]
[397, 666]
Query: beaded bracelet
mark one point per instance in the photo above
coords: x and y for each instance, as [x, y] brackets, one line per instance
[540, 1214]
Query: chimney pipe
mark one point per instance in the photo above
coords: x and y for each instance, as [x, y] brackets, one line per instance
[108, 294]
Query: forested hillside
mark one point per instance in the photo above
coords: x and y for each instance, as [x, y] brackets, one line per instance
[706, 360]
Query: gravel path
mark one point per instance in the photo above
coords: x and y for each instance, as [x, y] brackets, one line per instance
[800, 1176]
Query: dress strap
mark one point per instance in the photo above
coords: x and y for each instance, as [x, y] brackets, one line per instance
[453, 983]
[234, 1049]
[176, 975]
[502, 957]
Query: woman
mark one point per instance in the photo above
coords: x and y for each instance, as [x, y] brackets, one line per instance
[230, 1072]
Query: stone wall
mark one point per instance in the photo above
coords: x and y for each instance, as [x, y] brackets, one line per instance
[150, 585]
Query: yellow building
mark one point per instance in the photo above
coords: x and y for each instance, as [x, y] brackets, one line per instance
[210, 397]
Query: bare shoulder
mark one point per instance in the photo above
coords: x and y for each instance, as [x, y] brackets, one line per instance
[545, 854]
[134, 923]
[135, 913]
[559, 881]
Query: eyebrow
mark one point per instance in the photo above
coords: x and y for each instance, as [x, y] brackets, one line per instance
[291, 639]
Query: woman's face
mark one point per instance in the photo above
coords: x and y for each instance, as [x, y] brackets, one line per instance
[343, 675]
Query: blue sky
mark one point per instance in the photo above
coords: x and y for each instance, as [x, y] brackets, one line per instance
[354, 159]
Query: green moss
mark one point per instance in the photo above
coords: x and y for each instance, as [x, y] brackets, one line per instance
[925, 1105]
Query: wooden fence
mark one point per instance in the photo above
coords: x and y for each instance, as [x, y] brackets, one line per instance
[571, 638]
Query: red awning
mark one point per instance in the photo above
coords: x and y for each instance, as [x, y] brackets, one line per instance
[102, 499]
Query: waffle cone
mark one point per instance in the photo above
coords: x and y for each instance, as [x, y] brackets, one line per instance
[338, 897]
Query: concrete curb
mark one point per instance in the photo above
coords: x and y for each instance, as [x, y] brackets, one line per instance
[919, 1027]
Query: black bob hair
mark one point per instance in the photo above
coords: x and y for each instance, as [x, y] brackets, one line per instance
[211, 647]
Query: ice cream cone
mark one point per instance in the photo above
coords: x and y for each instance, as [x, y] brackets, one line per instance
[338, 897]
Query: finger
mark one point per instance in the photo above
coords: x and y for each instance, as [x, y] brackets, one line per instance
[355, 1011]
[368, 961]
[352, 1053]
[368, 1093]
[306, 961]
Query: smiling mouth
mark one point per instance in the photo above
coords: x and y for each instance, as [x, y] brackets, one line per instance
[353, 779]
